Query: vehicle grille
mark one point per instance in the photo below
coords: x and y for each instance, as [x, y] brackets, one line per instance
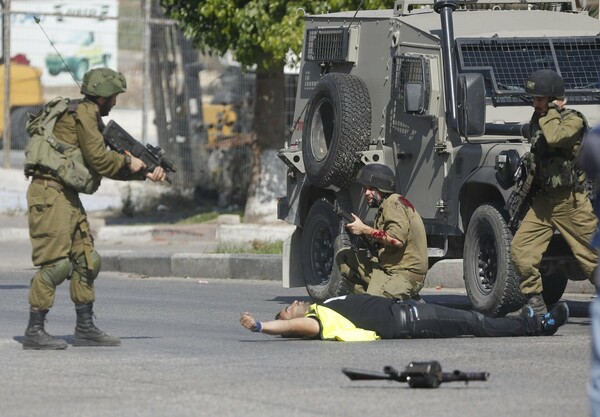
[326, 44]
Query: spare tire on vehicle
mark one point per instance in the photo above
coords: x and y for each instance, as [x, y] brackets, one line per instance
[336, 127]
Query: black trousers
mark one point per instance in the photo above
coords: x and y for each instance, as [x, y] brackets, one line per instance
[419, 320]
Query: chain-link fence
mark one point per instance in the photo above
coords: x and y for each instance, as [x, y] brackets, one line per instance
[198, 109]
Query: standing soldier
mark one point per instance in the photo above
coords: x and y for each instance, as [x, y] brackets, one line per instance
[398, 268]
[560, 201]
[62, 246]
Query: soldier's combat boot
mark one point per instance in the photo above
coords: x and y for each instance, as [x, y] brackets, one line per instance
[35, 335]
[536, 302]
[86, 333]
[555, 318]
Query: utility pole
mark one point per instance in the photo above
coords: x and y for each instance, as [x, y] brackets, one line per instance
[147, 77]
[6, 58]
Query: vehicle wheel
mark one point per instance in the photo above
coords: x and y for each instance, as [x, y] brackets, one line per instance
[337, 125]
[321, 228]
[554, 284]
[80, 70]
[490, 279]
[18, 120]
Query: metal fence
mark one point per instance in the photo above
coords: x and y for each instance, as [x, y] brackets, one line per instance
[197, 108]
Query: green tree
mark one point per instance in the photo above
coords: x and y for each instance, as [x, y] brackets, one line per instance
[258, 33]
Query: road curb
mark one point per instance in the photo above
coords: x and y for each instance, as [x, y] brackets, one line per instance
[194, 265]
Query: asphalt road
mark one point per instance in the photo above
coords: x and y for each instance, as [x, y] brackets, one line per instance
[184, 354]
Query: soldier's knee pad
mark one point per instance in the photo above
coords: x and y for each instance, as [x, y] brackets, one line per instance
[85, 273]
[55, 273]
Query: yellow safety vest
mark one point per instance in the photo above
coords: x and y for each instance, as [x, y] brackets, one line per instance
[334, 326]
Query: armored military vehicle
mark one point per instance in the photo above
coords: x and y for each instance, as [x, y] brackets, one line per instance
[435, 91]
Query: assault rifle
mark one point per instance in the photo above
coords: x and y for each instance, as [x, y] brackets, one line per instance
[417, 375]
[357, 242]
[520, 199]
[342, 214]
[119, 140]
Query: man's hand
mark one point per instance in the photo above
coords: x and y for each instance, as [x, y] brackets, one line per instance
[136, 164]
[559, 104]
[357, 227]
[157, 175]
[248, 321]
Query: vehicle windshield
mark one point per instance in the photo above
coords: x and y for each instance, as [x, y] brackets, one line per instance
[506, 64]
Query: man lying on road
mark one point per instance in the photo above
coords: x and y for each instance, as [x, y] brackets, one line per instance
[362, 317]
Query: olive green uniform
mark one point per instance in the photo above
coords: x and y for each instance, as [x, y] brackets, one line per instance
[62, 245]
[393, 271]
[560, 203]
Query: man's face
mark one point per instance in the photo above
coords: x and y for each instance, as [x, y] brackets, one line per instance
[373, 196]
[295, 310]
[106, 104]
[541, 105]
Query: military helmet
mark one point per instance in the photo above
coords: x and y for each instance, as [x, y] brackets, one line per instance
[103, 82]
[377, 176]
[545, 83]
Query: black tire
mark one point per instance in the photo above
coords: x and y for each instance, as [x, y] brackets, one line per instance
[490, 279]
[337, 125]
[321, 228]
[554, 284]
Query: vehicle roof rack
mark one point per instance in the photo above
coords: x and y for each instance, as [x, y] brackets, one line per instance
[404, 7]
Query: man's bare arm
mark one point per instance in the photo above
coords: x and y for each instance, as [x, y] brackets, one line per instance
[298, 327]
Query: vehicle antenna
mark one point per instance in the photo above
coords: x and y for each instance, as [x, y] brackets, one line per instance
[37, 20]
[356, 12]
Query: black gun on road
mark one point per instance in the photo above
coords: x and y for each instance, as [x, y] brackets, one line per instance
[119, 140]
[417, 375]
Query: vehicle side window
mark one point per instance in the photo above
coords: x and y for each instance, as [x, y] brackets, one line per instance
[410, 83]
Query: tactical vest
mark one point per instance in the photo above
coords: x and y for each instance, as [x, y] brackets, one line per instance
[45, 153]
[556, 167]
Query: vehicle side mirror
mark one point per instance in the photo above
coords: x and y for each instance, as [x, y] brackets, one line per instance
[414, 93]
[471, 104]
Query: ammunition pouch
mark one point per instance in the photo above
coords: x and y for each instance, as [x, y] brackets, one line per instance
[62, 161]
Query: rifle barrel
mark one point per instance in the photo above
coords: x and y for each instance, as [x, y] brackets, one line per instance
[363, 375]
[464, 376]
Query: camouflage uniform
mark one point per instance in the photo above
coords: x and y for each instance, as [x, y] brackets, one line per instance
[393, 271]
[561, 203]
[62, 245]
[58, 226]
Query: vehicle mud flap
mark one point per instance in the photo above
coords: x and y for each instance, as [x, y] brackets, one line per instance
[336, 127]
[491, 281]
